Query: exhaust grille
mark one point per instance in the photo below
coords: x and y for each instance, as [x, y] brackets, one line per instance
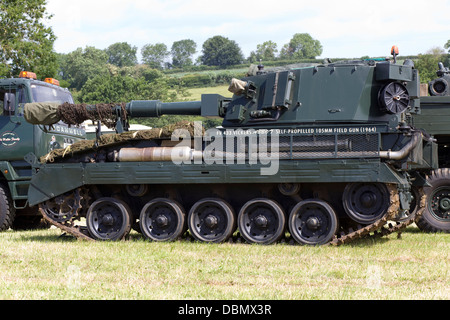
[293, 147]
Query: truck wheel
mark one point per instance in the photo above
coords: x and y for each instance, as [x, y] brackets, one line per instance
[436, 216]
[7, 210]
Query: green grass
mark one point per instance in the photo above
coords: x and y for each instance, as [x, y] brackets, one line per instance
[195, 94]
[235, 70]
[43, 265]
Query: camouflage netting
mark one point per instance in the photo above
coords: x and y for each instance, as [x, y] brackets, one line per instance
[114, 139]
[74, 114]
[48, 113]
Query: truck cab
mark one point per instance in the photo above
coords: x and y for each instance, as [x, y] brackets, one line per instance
[18, 138]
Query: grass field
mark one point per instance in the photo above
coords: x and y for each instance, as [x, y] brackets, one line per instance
[195, 94]
[42, 265]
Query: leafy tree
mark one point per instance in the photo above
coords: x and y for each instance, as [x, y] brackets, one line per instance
[182, 52]
[80, 65]
[121, 54]
[220, 51]
[447, 45]
[138, 71]
[116, 88]
[154, 55]
[286, 52]
[302, 46]
[266, 51]
[427, 64]
[25, 42]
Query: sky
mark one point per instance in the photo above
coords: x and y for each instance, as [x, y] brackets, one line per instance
[345, 28]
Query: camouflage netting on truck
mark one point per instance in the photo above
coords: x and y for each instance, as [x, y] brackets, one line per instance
[113, 139]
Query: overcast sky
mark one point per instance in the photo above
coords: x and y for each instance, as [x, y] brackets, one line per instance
[346, 28]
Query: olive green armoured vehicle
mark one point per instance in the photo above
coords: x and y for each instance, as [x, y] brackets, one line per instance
[322, 154]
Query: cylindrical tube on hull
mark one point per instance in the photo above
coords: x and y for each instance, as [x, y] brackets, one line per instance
[176, 154]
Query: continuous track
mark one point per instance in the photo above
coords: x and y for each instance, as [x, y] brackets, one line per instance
[384, 226]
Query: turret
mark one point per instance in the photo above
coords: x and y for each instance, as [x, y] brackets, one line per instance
[350, 92]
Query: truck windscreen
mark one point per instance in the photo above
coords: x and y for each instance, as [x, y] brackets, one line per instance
[48, 94]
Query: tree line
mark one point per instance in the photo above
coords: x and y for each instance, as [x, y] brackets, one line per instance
[216, 51]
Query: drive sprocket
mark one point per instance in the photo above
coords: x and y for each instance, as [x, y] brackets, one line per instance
[64, 207]
[61, 212]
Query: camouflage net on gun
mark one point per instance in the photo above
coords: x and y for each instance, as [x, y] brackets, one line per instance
[115, 139]
[49, 113]
[74, 114]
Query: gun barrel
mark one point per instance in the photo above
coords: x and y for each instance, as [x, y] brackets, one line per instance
[156, 108]
[48, 113]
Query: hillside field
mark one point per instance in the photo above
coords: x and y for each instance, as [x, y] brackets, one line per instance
[195, 94]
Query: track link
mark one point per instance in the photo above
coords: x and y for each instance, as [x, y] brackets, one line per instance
[71, 229]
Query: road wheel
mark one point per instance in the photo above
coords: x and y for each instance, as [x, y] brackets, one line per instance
[108, 219]
[212, 220]
[313, 222]
[162, 219]
[261, 221]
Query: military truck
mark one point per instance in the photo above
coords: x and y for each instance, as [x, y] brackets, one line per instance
[18, 137]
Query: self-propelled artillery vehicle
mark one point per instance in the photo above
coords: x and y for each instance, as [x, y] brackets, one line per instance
[325, 154]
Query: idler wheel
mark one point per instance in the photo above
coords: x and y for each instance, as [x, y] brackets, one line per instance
[108, 219]
[365, 203]
[162, 219]
[261, 221]
[313, 222]
[212, 220]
